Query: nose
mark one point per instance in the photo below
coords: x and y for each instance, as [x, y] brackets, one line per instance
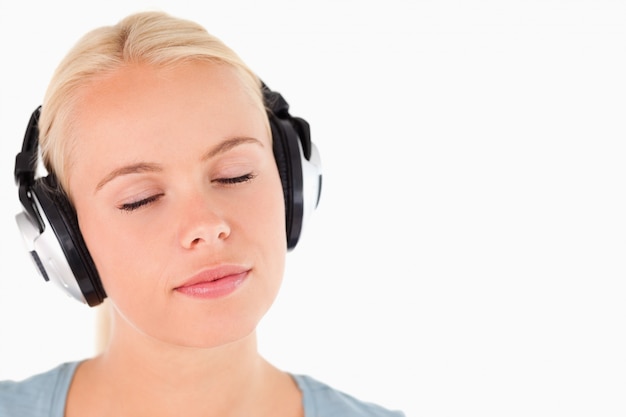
[201, 222]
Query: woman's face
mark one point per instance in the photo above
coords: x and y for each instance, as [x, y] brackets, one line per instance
[179, 201]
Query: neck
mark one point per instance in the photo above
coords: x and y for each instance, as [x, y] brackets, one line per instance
[157, 378]
[146, 355]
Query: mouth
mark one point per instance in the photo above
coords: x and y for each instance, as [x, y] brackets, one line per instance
[214, 283]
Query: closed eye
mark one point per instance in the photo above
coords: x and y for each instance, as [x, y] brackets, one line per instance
[134, 205]
[140, 203]
[235, 180]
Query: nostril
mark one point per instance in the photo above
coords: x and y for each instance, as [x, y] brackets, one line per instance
[206, 230]
[202, 220]
[223, 232]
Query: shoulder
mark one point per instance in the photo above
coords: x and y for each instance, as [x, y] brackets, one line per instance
[43, 394]
[321, 400]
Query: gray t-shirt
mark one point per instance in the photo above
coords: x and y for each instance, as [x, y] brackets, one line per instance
[44, 395]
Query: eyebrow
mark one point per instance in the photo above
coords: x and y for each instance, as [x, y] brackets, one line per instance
[142, 167]
[128, 169]
[227, 145]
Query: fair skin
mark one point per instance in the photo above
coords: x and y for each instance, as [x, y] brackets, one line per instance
[174, 182]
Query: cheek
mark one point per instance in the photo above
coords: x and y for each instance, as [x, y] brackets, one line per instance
[261, 225]
[267, 215]
[117, 252]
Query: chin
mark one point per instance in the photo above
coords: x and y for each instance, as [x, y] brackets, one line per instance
[214, 331]
[214, 338]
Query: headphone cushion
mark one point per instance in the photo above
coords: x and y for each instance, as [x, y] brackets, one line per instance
[282, 161]
[62, 218]
[288, 161]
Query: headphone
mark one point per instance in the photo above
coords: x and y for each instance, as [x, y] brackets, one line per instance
[49, 225]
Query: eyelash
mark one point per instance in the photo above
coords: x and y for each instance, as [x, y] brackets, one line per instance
[138, 204]
[225, 181]
[236, 180]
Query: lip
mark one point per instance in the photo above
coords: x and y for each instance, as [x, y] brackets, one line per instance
[214, 282]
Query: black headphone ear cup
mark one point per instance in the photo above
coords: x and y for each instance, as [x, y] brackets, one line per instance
[298, 163]
[56, 210]
[288, 162]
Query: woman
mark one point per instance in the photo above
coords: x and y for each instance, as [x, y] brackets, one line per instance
[163, 182]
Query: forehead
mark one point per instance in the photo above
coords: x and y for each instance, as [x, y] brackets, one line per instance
[137, 80]
[150, 105]
[217, 89]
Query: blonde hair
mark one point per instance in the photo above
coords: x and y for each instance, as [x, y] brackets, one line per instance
[153, 38]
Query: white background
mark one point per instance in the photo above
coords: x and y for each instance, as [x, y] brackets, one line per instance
[467, 257]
